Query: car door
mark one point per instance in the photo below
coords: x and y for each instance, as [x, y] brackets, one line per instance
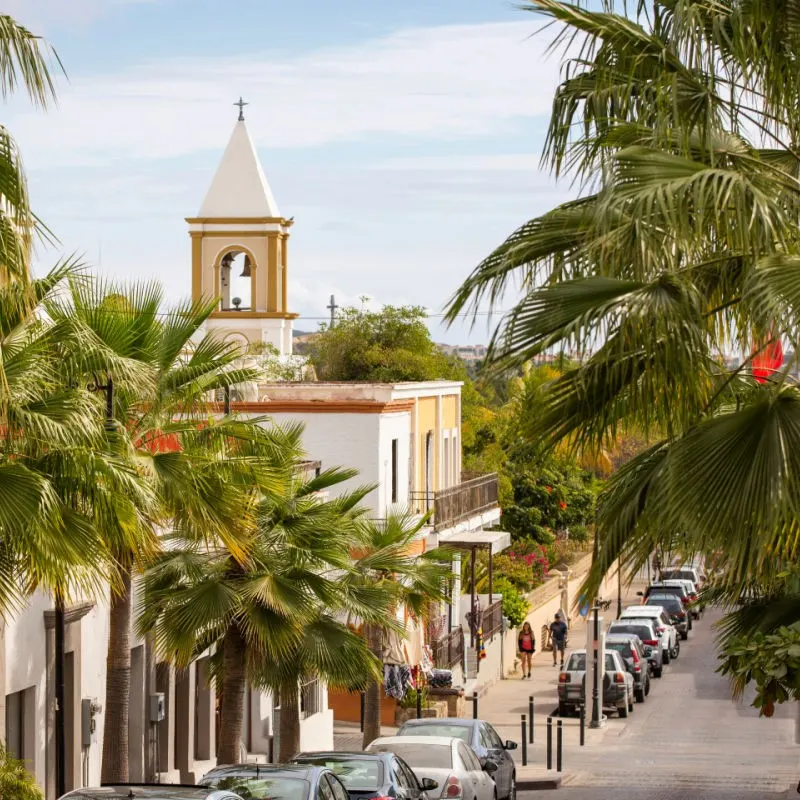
[499, 754]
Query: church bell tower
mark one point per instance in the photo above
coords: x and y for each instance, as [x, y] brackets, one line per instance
[239, 249]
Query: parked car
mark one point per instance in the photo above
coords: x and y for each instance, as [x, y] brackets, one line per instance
[617, 684]
[684, 571]
[150, 791]
[665, 588]
[372, 775]
[481, 737]
[447, 760]
[277, 782]
[691, 591]
[631, 648]
[679, 616]
[646, 631]
[670, 640]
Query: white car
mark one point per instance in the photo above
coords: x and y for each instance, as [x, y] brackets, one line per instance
[448, 761]
[667, 633]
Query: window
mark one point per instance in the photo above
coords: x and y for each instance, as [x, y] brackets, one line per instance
[469, 758]
[309, 699]
[497, 742]
[394, 470]
[20, 708]
[338, 791]
[408, 777]
[402, 778]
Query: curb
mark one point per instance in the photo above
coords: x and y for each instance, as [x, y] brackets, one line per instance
[546, 782]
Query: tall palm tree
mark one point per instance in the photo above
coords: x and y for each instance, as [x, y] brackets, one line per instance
[162, 415]
[386, 561]
[254, 604]
[680, 123]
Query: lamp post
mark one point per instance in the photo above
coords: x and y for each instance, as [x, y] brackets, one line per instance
[596, 710]
[619, 588]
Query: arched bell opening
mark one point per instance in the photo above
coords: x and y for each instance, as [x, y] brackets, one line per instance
[236, 269]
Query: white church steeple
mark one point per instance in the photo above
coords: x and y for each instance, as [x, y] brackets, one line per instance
[239, 249]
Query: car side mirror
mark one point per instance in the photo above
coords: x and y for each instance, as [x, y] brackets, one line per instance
[428, 784]
[509, 745]
[489, 765]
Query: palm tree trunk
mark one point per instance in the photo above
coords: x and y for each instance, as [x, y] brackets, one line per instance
[372, 699]
[234, 682]
[118, 686]
[290, 723]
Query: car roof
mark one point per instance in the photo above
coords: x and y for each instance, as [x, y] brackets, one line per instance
[129, 791]
[629, 621]
[340, 754]
[662, 585]
[427, 740]
[642, 611]
[296, 771]
[623, 637]
[466, 723]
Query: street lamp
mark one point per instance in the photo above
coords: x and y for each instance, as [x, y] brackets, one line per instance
[619, 588]
[597, 719]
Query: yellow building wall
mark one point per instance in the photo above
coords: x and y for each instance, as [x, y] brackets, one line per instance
[426, 421]
[450, 412]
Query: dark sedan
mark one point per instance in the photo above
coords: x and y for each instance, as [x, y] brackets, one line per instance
[482, 739]
[277, 782]
[680, 617]
[372, 776]
[145, 791]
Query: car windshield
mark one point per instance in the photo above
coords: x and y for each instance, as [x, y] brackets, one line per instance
[462, 732]
[668, 601]
[623, 648]
[577, 662]
[354, 773]
[262, 788]
[436, 756]
[668, 589]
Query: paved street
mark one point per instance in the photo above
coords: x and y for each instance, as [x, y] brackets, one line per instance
[688, 740]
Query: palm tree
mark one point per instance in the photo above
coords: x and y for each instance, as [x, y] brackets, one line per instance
[160, 415]
[680, 124]
[386, 562]
[254, 604]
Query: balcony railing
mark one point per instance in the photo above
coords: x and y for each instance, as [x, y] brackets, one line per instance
[472, 496]
[492, 619]
[449, 649]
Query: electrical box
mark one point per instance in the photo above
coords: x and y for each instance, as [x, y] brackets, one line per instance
[89, 710]
[157, 707]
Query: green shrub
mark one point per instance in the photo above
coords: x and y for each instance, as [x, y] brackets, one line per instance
[16, 783]
[409, 701]
[515, 606]
[516, 570]
[579, 533]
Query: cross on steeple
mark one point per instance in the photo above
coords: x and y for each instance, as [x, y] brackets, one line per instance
[241, 105]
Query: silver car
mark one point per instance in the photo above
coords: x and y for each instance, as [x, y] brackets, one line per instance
[448, 761]
[618, 689]
[141, 791]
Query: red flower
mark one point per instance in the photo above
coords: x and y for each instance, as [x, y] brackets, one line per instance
[549, 489]
[562, 505]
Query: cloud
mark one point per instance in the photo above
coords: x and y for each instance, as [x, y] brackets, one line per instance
[41, 15]
[444, 83]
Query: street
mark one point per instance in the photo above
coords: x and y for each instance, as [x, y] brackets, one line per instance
[688, 740]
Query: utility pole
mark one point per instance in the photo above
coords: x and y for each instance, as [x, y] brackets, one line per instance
[619, 588]
[596, 710]
[333, 309]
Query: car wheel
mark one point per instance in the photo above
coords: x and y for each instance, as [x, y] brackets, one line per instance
[563, 709]
[647, 687]
[630, 702]
[512, 790]
[623, 710]
[640, 695]
[667, 656]
[684, 635]
[658, 672]
[676, 651]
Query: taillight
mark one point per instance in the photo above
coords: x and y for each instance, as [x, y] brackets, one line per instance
[383, 797]
[684, 600]
[453, 787]
[563, 677]
[659, 631]
[619, 678]
[651, 642]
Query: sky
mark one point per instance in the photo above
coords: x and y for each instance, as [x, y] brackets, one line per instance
[404, 138]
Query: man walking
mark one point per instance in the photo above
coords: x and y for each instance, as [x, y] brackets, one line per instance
[558, 637]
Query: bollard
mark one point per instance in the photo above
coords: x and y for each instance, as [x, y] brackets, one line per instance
[559, 745]
[524, 743]
[530, 719]
[363, 703]
[419, 703]
[474, 705]
[583, 724]
[549, 743]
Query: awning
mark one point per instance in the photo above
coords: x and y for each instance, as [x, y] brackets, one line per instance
[495, 541]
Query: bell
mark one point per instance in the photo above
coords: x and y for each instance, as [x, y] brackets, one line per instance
[246, 270]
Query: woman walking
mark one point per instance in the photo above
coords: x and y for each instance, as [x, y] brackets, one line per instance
[527, 647]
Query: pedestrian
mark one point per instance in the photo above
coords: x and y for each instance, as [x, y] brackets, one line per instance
[558, 636]
[527, 647]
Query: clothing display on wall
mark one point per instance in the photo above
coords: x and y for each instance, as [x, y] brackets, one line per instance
[396, 680]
